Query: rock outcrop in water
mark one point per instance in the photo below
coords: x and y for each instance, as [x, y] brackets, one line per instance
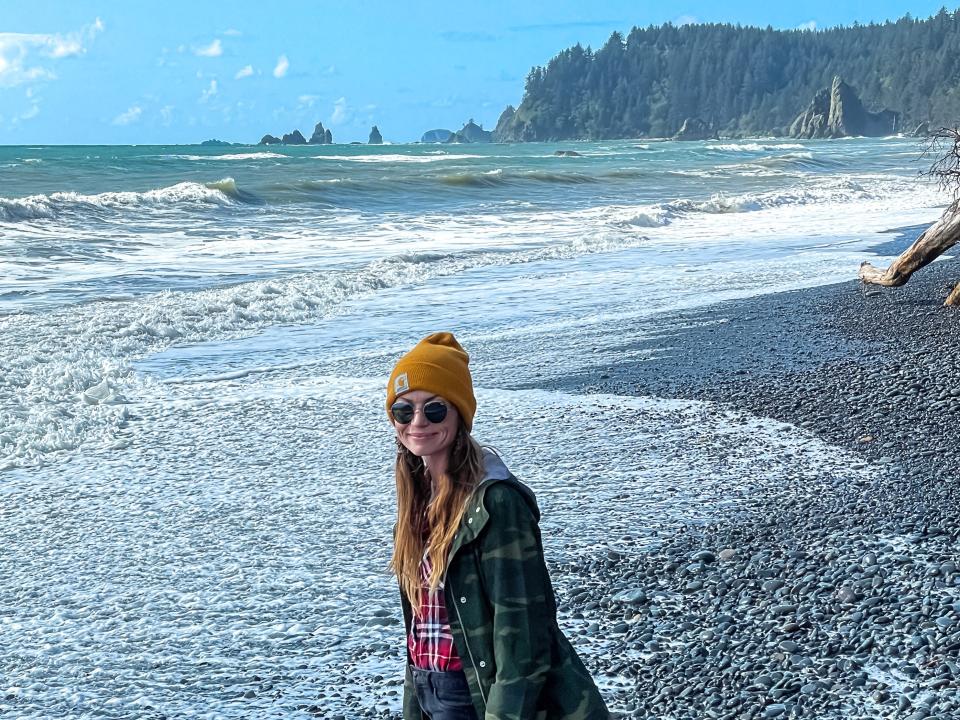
[294, 138]
[695, 129]
[839, 112]
[375, 137]
[471, 133]
[436, 136]
[319, 136]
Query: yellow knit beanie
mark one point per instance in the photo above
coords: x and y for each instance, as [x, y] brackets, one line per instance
[438, 365]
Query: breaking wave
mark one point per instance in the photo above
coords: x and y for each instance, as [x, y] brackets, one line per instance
[36, 207]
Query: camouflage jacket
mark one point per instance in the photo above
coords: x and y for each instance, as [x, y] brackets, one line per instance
[503, 613]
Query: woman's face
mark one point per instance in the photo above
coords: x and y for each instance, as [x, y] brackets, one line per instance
[420, 436]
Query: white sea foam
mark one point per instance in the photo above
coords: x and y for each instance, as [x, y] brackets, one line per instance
[829, 191]
[233, 156]
[35, 207]
[755, 147]
[398, 158]
[46, 402]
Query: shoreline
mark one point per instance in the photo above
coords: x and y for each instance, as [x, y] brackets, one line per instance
[824, 598]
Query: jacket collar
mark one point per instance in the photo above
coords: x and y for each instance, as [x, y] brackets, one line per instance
[475, 517]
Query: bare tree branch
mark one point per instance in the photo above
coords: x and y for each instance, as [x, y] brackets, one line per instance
[944, 146]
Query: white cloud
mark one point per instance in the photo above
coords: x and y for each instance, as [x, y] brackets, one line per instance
[214, 49]
[130, 116]
[166, 115]
[809, 25]
[307, 101]
[341, 112]
[245, 71]
[20, 53]
[232, 32]
[209, 92]
[685, 20]
[282, 66]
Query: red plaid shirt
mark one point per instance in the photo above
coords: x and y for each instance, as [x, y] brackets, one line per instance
[430, 642]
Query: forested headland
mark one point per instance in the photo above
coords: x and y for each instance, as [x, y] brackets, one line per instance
[740, 80]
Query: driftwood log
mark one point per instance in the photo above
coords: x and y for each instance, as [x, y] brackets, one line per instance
[933, 242]
[939, 237]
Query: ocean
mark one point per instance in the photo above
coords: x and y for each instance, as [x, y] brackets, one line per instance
[195, 461]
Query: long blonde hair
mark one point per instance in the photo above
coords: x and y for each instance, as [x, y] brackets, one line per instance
[442, 513]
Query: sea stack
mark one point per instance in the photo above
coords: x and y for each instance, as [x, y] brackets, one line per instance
[838, 112]
[294, 138]
[375, 137]
[319, 136]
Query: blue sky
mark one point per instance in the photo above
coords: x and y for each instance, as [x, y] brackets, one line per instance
[119, 72]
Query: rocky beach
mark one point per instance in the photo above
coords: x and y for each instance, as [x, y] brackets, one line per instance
[821, 597]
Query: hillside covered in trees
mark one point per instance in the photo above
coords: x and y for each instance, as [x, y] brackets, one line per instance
[742, 80]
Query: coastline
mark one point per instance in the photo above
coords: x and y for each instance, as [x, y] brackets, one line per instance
[823, 598]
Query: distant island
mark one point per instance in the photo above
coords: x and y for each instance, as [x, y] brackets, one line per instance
[469, 133]
[734, 81]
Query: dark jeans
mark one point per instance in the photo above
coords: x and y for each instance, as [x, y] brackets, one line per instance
[443, 695]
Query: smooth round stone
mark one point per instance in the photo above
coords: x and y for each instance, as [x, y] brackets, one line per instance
[846, 595]
[775, 710]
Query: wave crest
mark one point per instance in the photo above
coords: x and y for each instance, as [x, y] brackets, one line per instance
[38, 207]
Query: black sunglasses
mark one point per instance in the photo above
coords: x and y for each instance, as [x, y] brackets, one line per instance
[434, 411]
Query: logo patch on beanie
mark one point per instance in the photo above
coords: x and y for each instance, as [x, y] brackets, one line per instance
[401, 384]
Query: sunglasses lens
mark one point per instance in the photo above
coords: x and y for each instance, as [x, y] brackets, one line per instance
[402, 412]
[435, 412]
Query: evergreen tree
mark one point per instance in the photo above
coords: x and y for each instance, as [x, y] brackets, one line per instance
[741, 79]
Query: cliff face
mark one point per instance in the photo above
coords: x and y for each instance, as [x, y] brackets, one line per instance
[502, 132]
[838, 112]
[516, 126]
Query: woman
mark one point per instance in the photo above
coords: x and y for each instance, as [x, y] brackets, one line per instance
[478, 606]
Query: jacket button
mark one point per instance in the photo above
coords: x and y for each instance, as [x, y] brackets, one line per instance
[478, 509]
[483, 663]
[469, 520]
[463, 600]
